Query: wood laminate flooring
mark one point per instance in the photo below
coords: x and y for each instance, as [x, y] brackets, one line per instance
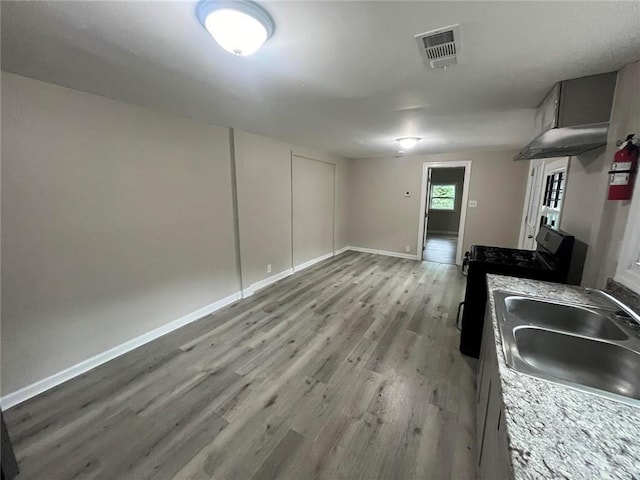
[347, 370]
[441, 248]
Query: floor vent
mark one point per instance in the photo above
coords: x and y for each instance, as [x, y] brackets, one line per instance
[440, 48]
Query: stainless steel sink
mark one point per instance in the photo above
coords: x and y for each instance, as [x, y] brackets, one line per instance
[588, 348]
[580, 360]
[568, 318]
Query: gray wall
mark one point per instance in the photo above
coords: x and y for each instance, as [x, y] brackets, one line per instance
[587, 214]
[263, 170]
[312, 188]
[265, 204]
[442, 220]
[382, 218]
[115, 220]
[342, 187]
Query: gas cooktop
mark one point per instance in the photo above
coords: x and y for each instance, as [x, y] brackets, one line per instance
[507, 256]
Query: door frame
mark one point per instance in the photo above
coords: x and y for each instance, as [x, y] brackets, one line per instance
[426, 166]
[531, 187]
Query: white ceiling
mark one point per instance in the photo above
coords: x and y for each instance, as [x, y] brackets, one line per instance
[343, 76]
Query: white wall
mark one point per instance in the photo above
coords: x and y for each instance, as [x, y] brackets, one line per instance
[594, 220]
[382, 218]
[115, 220]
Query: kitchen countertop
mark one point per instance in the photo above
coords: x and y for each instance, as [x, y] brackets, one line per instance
[555, 431]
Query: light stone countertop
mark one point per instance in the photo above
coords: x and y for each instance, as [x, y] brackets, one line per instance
[555, 431]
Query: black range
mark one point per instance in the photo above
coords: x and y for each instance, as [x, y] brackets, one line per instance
[551, 261]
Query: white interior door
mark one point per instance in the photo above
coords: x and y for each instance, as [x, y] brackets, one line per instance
[544, 199]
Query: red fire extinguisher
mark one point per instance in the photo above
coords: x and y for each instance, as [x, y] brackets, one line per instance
[623, 171]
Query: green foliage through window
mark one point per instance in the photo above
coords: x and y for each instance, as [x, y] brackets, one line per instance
[443, 197]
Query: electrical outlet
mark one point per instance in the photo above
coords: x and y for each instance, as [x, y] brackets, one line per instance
[407, 249]
[473, 203]
[269, 268]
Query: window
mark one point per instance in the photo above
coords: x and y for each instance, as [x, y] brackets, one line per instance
[443, 197]
[552, 199]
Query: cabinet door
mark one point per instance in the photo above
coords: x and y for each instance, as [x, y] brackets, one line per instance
[8, 465]
[490, 457]
[503, 469]
[483, 384]
[493, 460]
[484, 427]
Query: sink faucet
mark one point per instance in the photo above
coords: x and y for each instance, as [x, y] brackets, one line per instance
[617, 303]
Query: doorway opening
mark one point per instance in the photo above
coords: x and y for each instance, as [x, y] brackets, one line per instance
[445, 192]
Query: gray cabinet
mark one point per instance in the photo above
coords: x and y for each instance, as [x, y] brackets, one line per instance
[579, 101]
[8, 463]
[547, 113]
[492, 446]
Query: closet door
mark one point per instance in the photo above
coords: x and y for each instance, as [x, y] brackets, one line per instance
[312, 185]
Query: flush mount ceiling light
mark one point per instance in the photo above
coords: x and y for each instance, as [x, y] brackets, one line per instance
[407, 143]
[239, 26]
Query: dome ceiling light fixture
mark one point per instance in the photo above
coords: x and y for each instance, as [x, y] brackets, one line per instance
[239, 26]
[407, 143]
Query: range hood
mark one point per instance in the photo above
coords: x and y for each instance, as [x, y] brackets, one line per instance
[573, 118]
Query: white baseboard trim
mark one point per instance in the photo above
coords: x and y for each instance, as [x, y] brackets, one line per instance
[311, 262]
[254, 287]
[36, 388]
[384, 252]
[341, 250]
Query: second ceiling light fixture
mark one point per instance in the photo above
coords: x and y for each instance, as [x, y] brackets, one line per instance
[407, 143]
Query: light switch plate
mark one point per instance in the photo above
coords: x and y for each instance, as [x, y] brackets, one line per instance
[473, 203]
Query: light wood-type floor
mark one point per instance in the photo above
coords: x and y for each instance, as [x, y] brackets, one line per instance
[441, 248]
[347, 370]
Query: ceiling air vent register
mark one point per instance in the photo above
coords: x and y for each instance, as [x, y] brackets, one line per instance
[440, 48]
